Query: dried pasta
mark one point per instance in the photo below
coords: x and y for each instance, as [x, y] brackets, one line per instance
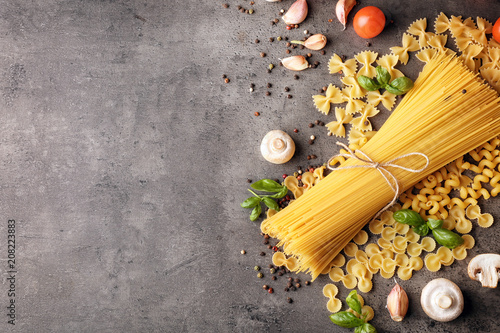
[334, 304]
[366, 58]
[337, 275]
[336, 65]
[410, 44]
[337, 127]
[333, 95]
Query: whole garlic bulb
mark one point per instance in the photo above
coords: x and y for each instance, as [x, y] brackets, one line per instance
[277, 147]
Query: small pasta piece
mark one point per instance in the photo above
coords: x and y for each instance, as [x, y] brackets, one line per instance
[428, 244]
[362, 123]
[348, 280]
[338, 261]
[389, 61]
[355, 90]
[334, 304]
[350, 249]
[333, 95]
[376, 226]
[414, 264]
[366, 58]
[462, 225]
[362, 258]
[399, 244]
[426, 54]
[350, 264]
[388, 233]
[279, 259]
[460, 252]
[375, 263]
[364, 277]
[292, 184]
[337, 127]
[308, 180]
[479, 35]
[386, 98]
[441, 24]
[336, 65]
[433, 261]
[359, 137]
[410, 44]
[361, 237]
[484, 220]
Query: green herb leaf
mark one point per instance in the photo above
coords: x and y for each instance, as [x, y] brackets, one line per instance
[447, 238]
[250, 202]
[383, 75]
[434, 224]
[267, 185]
[422, 229]
[280, 194]
[271, 204]
[408, 216]
[365, 328]
[346, 319]
[255, 213]
[403, 84]
[393, 90]
[367, 83]
[353, 301]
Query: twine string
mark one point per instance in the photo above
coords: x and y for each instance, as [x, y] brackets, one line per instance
[380, 167]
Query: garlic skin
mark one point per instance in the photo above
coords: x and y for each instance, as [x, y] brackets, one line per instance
[315, 42]
[296, 13]
[397, 303]
[295, 63]
[342, 10]
[277, 147]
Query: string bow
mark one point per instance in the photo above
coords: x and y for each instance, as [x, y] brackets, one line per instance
[380, 167]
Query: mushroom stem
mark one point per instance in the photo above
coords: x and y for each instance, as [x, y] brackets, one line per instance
[485, 268]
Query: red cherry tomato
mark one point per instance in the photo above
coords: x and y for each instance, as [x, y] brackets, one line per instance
[369, 22]
[496, 31]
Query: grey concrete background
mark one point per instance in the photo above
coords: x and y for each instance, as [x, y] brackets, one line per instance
[124, 157]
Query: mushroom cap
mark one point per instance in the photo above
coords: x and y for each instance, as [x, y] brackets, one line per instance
[485, 268]
[277, 147]
[442, 300]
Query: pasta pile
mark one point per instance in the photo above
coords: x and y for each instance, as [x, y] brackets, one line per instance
[440, 117]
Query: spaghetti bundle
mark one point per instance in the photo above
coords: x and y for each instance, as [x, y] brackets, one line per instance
[449, 112]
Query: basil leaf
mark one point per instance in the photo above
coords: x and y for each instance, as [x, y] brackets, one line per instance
[403, 84]
[255, 213]
[346, 319]
[393, 90]
[367, 83]
[353, 301]
[250, 202]
[267, 185]
[422, 230]
[434, 224]
[280, 194]
[383, 75]
[447, 238]
[271, 204]
[365, 328]
[408, 216]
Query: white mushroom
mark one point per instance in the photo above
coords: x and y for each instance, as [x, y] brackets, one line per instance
[277, 147]
[485, 268]
[442, 300]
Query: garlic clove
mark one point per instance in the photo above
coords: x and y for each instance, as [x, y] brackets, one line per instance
[277, 147]
[342, 10]
[295, 63]
[315, 42]
[296, 13]
[397, 303]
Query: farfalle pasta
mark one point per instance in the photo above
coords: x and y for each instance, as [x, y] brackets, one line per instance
[333, 95]
[418, 28]
[337, 127]
[386, 98]
[410, 44]
[336, 65]
[334, 304]
[362, 122]
[336, 274]
[366, 58]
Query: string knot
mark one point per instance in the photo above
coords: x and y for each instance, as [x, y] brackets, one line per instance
[381, 167]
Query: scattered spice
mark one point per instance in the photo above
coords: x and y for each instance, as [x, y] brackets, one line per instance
[296, 77]
[289, 300]
[224, 76]
[268, 93]
[243, 252]
[307, 283]
[274, 277]
[262, 54]
[271, 66]
[263, 254]
[225, 5]
[296, 130]
[278, 38]
[309, 55]
[464, 91]
[288, 51]
[323, 52]
[257, 41]
[269, 85]
[312, 137]
[265, 287]
[256, 268]
[289, 96]
[270, 290]
[260, 275]
[250, 11]
[271, 39]
[287, 89]
[226, 80]
[256, 114]
[311, 142]
[311, 125]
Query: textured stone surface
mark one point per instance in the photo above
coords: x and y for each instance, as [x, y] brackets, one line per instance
[124, 157]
